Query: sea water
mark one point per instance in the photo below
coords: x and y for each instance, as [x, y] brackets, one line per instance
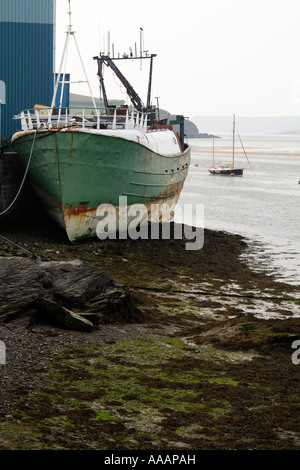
[263, 205]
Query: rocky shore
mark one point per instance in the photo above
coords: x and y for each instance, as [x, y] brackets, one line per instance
[193, 350]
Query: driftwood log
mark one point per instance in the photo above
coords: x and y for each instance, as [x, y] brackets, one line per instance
[70, 293]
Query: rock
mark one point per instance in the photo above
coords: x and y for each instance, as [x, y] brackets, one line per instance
[250, 333]
[20, 285]
[114, 306]
[72, 293]
[64, 316]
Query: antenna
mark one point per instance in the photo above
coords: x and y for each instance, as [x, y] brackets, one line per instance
[70, 16]
[108, 42]
[157, 102]
[141, 45]
[99, 33]
[141, 42]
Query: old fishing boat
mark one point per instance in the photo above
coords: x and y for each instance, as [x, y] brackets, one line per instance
[82, 159]
[228, 168]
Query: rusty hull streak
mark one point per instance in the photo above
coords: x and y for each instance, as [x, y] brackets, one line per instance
[82, 222]
[78, 215]
[76, 218]
[79, 212]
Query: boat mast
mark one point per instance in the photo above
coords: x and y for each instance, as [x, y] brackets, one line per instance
[63, 63]
[213, 152]
[233, 139]
[149, 85]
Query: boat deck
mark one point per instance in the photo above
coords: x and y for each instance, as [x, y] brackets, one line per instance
[93, 118]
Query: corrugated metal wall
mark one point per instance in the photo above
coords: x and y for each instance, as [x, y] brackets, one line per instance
[26, 56]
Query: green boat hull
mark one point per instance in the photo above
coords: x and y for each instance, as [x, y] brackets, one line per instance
[74, 172]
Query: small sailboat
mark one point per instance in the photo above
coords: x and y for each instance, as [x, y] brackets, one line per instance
[228, 168]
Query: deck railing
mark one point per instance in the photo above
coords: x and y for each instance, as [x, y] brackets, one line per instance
[42, 117]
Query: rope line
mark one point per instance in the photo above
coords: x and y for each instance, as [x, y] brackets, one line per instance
[16, 244]
[8, 209]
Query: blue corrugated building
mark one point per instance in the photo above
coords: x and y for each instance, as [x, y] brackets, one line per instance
[27, 40]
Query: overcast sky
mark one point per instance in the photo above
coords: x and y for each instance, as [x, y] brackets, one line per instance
[214, 57]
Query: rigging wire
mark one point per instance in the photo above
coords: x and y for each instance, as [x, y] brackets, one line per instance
[244, 149]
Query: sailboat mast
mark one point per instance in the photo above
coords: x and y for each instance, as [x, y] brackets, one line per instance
[233, 139]
[213, 152]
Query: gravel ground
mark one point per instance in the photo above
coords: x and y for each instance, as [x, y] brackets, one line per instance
[208, 366]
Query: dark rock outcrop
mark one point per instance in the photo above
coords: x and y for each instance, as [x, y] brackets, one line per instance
[71, 293]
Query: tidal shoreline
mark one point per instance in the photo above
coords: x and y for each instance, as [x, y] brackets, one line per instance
[200, 368]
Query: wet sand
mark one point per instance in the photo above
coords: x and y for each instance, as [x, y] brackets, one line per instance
[207, 366]
[255, 153]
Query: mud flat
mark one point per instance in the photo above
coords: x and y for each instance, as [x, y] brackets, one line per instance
[202, 361]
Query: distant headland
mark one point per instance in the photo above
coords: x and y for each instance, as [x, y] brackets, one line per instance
[201, 135]
[267, 125]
